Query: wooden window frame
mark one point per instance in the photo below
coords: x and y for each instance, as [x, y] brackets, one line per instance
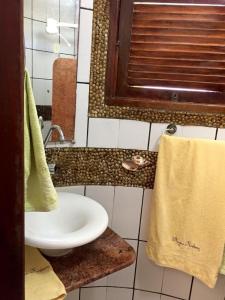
[113, 72]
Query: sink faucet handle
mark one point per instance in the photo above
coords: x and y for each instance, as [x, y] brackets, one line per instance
[41, 122]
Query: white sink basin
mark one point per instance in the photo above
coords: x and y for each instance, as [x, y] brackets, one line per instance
[77, 221]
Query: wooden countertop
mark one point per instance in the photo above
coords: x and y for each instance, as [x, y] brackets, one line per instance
[106, 255]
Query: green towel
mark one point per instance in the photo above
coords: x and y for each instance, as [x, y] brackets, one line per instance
[40, 194]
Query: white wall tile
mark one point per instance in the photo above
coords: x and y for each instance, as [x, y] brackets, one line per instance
[141, 295]
[176, 283]
[119, 294]
[149, 276]
[71, 189]
[69, 35]
[201, 291]
[126, 212]
[43, 64]
[42, 90]
[221, 134]
[81, 119]
[98, 283]
[41, 39]
[104, 195]
[87, 3]
[27, 8]
[28, 33]
[103, 133]
[74, 295]
[43, 9]
[84, 49]
[93, 293]
[133, 134]
[157, 129]
[145, 215]
[198, 132]
[68, 10]
[28, 60]
[125, 277]
[170, 298]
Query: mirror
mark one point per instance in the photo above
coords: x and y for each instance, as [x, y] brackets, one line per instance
[51, 42]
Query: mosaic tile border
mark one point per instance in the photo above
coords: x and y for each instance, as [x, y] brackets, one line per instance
[99, 166]
[97, 106]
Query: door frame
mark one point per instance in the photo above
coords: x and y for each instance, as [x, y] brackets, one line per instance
[11, 150]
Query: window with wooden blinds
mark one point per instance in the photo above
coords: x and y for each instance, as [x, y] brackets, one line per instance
[167, 55]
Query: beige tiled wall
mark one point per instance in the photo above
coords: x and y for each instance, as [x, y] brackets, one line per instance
[128, 208]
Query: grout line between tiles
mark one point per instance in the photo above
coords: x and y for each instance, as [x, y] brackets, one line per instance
[192, 281]
[86, 8]
[130, 288]
[149, 135]
[110, 286]
[114, 195]
[75, 42]
[82, 82]
[87, 133]
[106, 293]
[50, 52]
[163, 294]
[217, 130]
[36, 20]
[78, 38]
[143, 241]
[79, 294]
[139, 232]
[162, 280]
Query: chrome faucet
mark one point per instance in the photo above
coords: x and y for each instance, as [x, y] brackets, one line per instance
[60, 132]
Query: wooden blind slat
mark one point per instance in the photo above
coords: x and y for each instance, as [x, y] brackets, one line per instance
[200, 32]
[178, 77]
[176, 69]
[174, 62]
[177, 47]
[182, 55]
[143, 82]
[178, 16]
[183, 9]
[178, 24]
[181, 40]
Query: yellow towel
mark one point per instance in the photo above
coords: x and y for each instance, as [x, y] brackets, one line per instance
[40, 194]
[187, 227]
[41, 283]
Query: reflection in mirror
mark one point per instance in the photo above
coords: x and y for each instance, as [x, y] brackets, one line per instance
[64, 96]
[51, 38]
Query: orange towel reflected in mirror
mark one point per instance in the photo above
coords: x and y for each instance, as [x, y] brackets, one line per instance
[64, 96]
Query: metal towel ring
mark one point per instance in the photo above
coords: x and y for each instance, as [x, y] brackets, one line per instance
[171, 129]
